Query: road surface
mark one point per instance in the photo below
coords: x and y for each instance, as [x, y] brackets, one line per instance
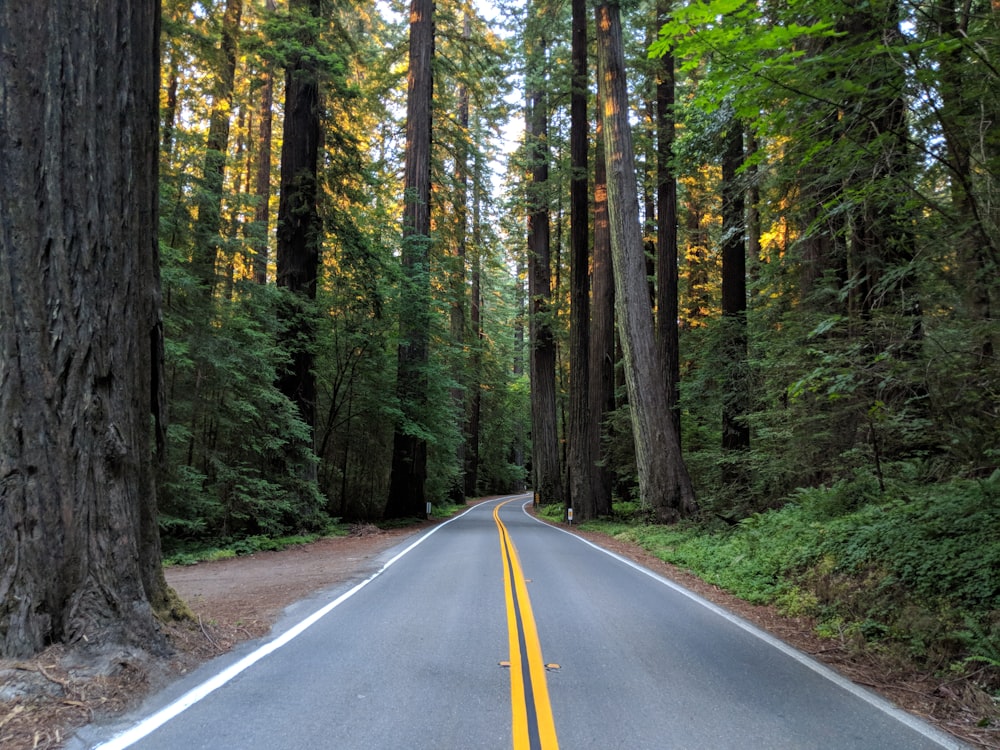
[497, 631]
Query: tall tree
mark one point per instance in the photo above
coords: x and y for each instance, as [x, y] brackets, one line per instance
[735, 430]
[209, 200]
[409, 452]
[664, 483]
[544, 427]
[579, 458]
[262, 183]
[961, 114]
[299, 224]
[80, 333]
[666, 226]
[473, 428]
[459, 270]
[602, 329]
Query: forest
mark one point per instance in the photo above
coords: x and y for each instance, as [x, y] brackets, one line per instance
[801, 200]
[727, 265]
[817, 198]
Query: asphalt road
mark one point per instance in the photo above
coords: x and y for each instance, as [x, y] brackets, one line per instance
[497, 631]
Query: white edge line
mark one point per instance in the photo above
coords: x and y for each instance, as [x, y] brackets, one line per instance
[928, 731]
[155, 721]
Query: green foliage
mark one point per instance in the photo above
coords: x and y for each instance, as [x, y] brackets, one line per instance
[445, 510]
[915, 567]
[552, 512]
[237, 464]
[192, 553]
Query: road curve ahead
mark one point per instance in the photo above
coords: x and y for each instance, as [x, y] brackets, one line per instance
[497, 631]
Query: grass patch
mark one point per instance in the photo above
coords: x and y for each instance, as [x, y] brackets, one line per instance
[553, 512]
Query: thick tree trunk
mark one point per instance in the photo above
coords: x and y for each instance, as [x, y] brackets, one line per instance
[664, 484]
[579, 459]
[602, 330]
[544, 430]
[80, 332]
[409, 451]
[299, 230]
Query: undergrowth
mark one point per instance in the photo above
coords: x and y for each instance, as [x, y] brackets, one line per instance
[225, 549]
[190, 553]
[914, 570]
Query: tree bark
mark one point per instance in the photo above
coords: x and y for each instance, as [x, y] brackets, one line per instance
[602, 330]
[735, 430]
[666, 229]
[262, 188]
[664, 484]
[80, 330]
[544, 430]
[409, 452]
[459, 269]
[474, 423]
[579, 458]
[299, 230]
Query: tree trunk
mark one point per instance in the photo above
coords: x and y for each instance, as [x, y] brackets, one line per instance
[602, 330]
[735, 430]
[666, 229]
[473, 426]
[962, 119]
[299, 230]
[80, 330]
[262, 188]
[409, 451]
[579, 459]
[519, 442]
[544, 431]
[664, 484]
[459, 270]
[209, 201]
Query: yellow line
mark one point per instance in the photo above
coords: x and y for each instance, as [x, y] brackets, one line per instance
[533, 725]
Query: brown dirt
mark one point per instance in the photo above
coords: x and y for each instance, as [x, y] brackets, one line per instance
[45, 699]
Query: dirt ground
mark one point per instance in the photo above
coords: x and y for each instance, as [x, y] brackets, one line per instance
[43, 700]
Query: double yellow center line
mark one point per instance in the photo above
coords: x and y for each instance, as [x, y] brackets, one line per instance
[533, 726]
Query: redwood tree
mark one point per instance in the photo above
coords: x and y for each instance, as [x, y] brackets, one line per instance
[666, 226]
[664, 483]
[409, 448]
[602, 331]
[735, 430]
[81, 344]
[544, 430]
[299, 232]
[579, 456]
[262, 186]
[209, 198]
